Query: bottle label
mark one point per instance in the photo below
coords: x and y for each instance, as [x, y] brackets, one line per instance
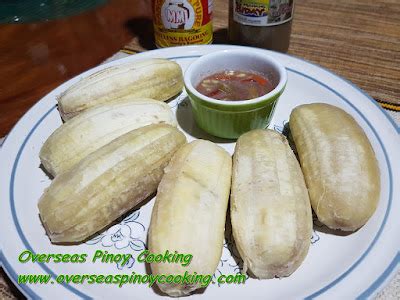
[262, 12]
[182, 22]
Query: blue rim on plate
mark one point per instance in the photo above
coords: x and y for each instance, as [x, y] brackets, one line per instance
[370, 290]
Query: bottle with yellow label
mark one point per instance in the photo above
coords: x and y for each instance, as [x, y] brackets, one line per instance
[261, 23]
[182, 22]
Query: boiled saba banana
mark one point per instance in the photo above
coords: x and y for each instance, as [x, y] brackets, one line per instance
[270, 208]
[189, 212]
[158, 79]
[98, 126]
[339, 165]
[108, 183]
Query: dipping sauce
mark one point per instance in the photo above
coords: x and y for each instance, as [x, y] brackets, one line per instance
[234, 85]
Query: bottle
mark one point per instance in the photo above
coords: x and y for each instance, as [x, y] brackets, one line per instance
[182, 22]
[261, 23]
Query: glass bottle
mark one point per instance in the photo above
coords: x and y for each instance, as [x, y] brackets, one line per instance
[261, 23]
[182, 22]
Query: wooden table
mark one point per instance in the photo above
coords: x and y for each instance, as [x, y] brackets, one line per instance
[35, 58]
[357, 39]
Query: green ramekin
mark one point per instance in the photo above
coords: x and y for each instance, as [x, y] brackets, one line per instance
[230, 119]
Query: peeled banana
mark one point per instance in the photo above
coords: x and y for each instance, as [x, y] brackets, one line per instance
[98, 126]
[107, 183]
[270, 209]
[158, 79]
[190, 210]
[338, 163]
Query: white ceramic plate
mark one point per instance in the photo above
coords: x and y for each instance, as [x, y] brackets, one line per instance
[337, 266]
